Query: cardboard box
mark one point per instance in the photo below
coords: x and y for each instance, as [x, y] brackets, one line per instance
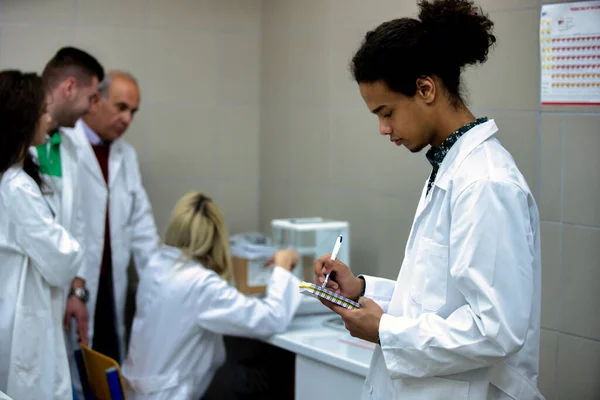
[251, 276]
[307, 263]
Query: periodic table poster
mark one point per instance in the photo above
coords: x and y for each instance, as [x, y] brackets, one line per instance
[570, 53]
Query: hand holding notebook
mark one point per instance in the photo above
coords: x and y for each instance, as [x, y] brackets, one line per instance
[339, 286]
[310, 289]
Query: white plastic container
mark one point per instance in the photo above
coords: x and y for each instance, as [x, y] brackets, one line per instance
[311, 238]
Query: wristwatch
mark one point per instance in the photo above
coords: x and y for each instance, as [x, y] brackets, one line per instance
[81, 293]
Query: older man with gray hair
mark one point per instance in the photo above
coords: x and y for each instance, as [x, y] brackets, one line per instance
[118, 220]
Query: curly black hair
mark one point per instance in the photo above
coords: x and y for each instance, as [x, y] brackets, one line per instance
[22, 103]
[449, 35]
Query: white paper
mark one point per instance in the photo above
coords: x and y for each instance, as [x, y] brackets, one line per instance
[258, 274]
[570, 53]
[251, 245]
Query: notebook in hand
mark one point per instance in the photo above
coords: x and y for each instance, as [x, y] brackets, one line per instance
[310, 289]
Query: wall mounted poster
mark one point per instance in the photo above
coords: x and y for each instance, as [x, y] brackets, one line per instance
[570, 53]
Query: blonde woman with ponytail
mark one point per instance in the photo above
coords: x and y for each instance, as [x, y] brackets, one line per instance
[185, 306]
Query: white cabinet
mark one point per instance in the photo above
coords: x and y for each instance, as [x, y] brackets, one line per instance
[317, 381]
[329, 363]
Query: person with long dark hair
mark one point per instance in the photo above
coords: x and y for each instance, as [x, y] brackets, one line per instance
[38, 257]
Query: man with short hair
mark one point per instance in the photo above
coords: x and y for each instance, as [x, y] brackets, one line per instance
[71, 78]
[119, 223]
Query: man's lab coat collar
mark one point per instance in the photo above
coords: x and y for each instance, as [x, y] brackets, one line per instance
[89, 133]
[461, 149]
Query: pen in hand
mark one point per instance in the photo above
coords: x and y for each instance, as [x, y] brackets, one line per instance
[334, 253]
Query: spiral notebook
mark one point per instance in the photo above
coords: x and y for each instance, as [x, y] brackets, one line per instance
[310, 289]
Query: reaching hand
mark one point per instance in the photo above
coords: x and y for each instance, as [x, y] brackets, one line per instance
[286, 258]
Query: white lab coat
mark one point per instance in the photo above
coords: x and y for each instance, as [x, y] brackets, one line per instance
[462, 320]
[132, 227]
[38, 259]
[183, 311]
[3, 396]
[64, 196]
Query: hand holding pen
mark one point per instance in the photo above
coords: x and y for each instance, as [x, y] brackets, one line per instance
[336, 276]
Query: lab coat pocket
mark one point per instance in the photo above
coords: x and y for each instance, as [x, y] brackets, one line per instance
[153, 384]
[430, 280]
[433, 388]
[126, 201]
[131, 198]
[28, 343]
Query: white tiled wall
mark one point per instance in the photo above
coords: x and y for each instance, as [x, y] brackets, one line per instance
[569, 208]
[198, 64]
[316, 132]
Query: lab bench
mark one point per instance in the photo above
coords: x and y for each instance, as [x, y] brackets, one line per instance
[329, 363]
[314, 359]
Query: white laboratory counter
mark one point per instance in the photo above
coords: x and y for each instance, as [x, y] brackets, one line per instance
[308, 336]
[326, 357]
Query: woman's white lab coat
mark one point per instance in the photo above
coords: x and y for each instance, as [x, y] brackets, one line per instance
[462, 320]
[64, 196]
[38, 260]
[132, 228]
[182, 313]
[3, 396]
